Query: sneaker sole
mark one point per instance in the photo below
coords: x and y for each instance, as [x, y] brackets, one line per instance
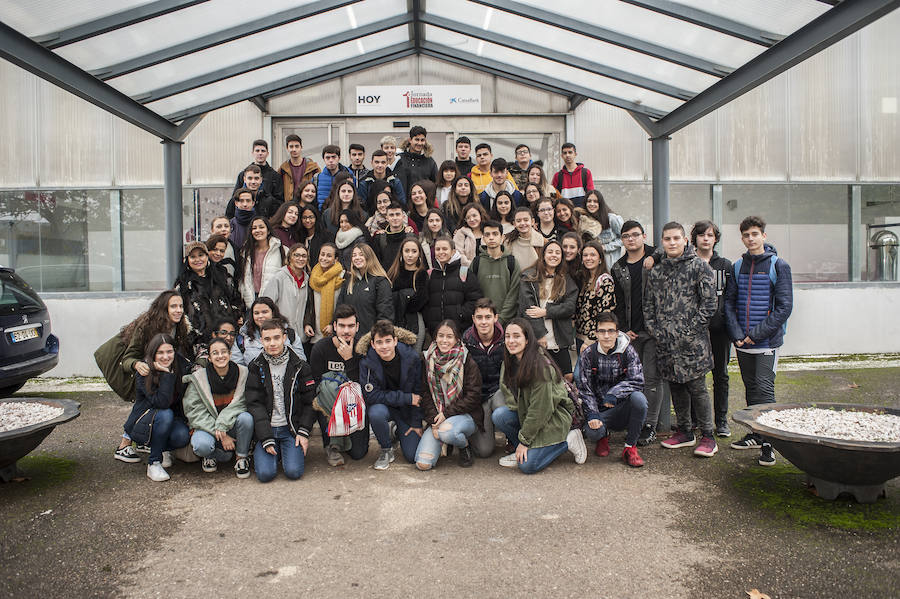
[127, 460]
[744, 447]
[378, 467]
[580, 449]
[706, 454]
[676, 446]
[207, 470]
[767, 464]
[242, 474]
[723, 434]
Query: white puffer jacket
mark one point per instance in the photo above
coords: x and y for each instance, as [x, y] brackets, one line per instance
[273, 261]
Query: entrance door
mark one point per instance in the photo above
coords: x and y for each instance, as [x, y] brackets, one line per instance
[316, 134]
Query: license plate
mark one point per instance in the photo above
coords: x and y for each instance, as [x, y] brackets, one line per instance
[24, 335]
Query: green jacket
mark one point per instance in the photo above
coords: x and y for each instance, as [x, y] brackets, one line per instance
[198, 403]
[498, 283]
[545, 410]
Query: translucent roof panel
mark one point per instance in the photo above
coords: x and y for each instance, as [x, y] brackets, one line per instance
[659, 29]
[261, 44]
[282, 73]
[604, 85]
[500, 22]
[40, 17]
[169, 30]
[783, 17]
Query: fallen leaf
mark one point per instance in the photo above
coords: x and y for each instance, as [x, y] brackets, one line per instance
[757, 594]
[853, 386]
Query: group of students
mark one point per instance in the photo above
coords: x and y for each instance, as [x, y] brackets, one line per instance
[455, 313]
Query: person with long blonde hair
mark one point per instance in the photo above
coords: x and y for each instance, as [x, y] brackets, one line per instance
[367, 288]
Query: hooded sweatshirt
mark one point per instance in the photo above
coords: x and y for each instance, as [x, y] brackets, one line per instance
[498, 282]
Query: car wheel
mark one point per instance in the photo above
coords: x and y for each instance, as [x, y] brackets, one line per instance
[7, 391]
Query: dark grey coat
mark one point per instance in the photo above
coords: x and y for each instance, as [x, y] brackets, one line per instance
[561, 312]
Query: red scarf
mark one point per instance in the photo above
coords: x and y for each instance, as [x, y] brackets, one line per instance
[296, 280]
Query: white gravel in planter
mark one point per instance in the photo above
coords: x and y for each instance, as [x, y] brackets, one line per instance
[20, 414]
[837, 424]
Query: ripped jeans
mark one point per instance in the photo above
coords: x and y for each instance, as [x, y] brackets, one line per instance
[453, 431]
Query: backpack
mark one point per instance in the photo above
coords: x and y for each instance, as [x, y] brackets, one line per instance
[559, 175]
[510, 264]
[773, 277]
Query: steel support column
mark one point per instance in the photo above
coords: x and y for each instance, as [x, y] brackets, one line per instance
[718, 204]
[660, 173]
[854, 226]
[173, 200]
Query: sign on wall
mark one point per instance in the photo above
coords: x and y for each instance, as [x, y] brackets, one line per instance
[418, 99]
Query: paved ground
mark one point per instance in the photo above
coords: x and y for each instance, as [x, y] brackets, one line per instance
[86, 525]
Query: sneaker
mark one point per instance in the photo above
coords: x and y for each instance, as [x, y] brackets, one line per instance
[333, 455]
[602, 448]
[750, 441]
[209, 465]
[157, 473]
[509, 460]
[242, 468]
[647, 436]
[466, 459]
[722, 430]
[143, 448]
[575, 441]
[168, 459]
[766, 455]
[630, 456]
[384, 459]
[707, 447]
[680, 439]
[127, 454]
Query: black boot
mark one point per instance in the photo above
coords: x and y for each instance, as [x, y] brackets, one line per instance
[466, 459]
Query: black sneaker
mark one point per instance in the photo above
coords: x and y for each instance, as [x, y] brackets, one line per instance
[465, 457]
[647, 436]
[722, 430]
[766, 455]
[750, 441]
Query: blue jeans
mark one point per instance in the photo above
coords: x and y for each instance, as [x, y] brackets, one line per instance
[169, 434]
[627, 415]
[266, 464]
[206, 446]
[380, 417]
[453, 431]
[538, 458]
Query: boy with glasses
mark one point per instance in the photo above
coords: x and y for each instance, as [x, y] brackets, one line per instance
[611, 382]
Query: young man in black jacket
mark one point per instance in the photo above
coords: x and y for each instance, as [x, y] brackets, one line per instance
[704, 236]
[630, 278]
[416, 162]
[484, 340]
[271, 179]
[280, 390]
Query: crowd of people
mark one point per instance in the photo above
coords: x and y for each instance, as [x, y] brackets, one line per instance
[463, 299]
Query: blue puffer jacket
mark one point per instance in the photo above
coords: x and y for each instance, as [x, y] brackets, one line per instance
[323, 181]
[753, 306]
[372, 379]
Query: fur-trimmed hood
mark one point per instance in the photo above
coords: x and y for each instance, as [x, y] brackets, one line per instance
[404, 147]
[402, 335]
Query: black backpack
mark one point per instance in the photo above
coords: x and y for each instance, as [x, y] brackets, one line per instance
[559, 175]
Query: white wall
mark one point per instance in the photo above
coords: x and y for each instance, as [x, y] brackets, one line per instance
[827, 319]
[84, 323]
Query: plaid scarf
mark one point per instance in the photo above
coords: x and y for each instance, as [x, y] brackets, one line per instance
[445, 374]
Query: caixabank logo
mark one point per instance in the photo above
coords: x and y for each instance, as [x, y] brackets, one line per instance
[418, 99]
[461, 100]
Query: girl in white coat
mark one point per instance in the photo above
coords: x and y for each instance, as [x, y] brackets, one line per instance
[289, 289]
[261, 257]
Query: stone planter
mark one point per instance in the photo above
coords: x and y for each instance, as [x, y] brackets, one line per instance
[18, 443]
[832, 466]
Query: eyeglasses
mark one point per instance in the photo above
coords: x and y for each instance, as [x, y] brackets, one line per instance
[545, 209]
[224, 333]
[606, 332]
[631, 235]
[522, 151]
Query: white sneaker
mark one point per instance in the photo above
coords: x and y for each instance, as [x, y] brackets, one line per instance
[209, 465]
[384, 459]
[168, 459]
[157, 473]
[575, 441]
[509, 461]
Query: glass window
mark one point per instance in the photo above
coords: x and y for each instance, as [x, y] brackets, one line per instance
[210, 202]
[17, 296]
[807, 225]
[880, 211]
[144, 237]
[58, 240]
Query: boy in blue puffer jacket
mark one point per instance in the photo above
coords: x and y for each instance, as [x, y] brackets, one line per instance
[758, 302]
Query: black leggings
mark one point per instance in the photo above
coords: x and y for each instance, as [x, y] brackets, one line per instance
[562, 358]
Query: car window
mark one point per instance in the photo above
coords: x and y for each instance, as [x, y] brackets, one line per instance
[17, 296]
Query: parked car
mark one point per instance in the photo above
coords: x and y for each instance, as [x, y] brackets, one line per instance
[28, 347]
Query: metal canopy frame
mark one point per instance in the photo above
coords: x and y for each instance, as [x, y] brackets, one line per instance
[220, 37]
[781, 53]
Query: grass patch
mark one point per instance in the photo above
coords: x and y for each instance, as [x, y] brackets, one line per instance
[46, 470]
[780, 489]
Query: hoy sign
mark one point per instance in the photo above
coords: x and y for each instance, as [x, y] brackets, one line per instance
[418, 99]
